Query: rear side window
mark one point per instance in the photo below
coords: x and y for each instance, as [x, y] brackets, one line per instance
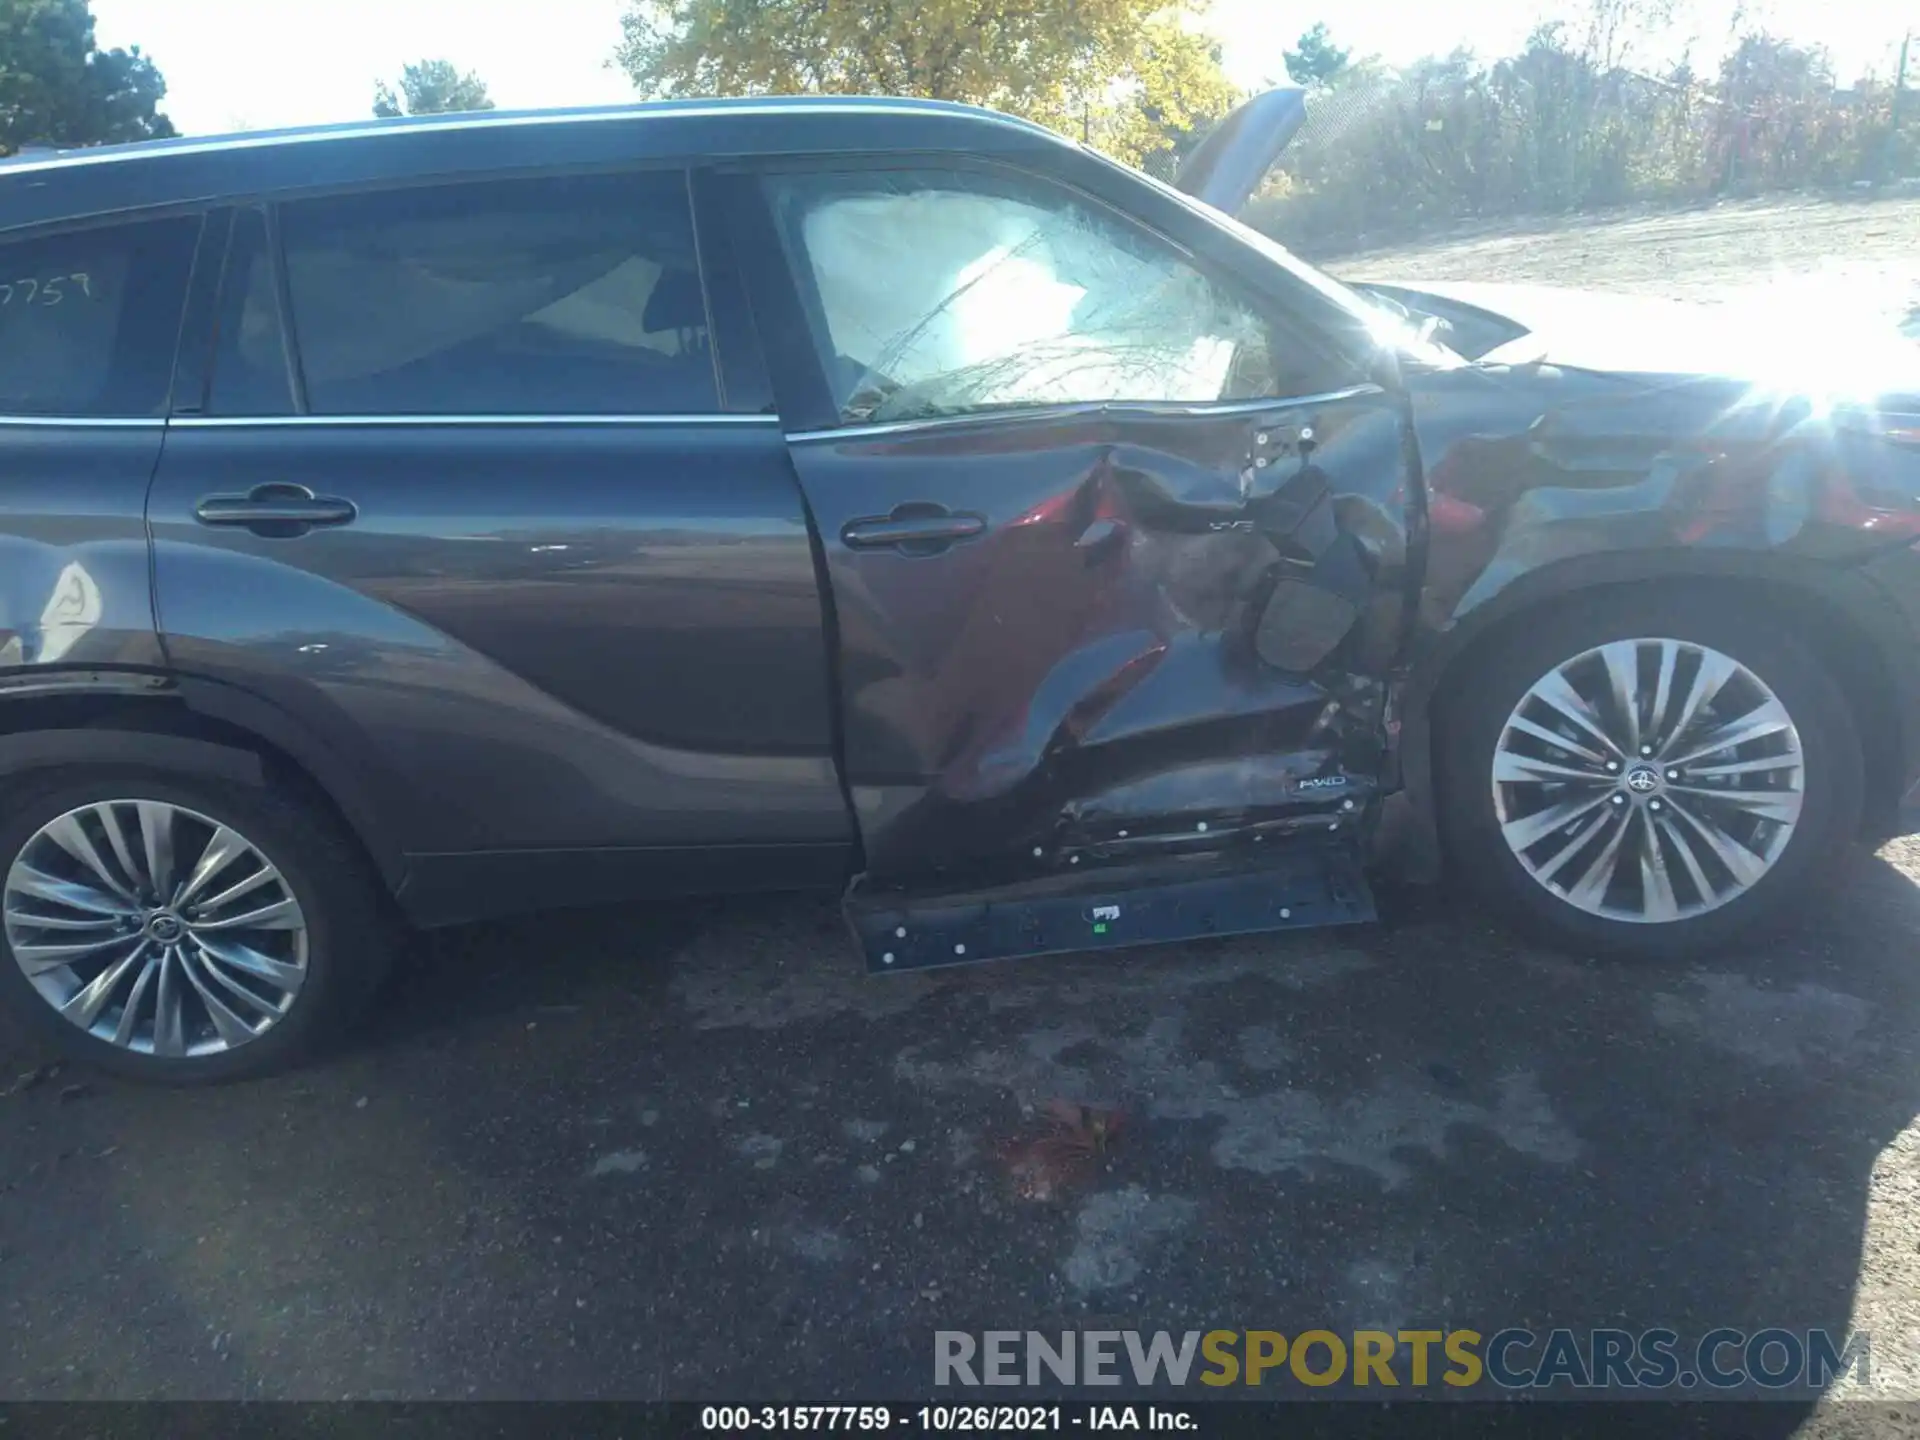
[89, 318]
[561, 295]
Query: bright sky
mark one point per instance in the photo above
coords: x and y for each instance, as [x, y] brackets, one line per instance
[234, 64]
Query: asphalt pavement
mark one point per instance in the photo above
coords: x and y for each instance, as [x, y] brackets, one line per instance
[695, 1152]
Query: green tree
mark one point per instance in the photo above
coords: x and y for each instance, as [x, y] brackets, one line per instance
[1132, 76]
[1176, 91]
[1315, 58]
[58, 88]
[432, 87]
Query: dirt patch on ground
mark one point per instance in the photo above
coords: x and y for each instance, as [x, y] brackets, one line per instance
[1867, 251]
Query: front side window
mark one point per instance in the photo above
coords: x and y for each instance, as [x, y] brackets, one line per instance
[89, 318]
[940, 293]
[560, 295]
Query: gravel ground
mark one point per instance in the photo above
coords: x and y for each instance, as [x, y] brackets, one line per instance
[692, 1151]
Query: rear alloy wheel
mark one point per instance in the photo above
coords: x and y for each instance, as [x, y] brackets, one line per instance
[174, 937]
[1650, 781]
[154, 928]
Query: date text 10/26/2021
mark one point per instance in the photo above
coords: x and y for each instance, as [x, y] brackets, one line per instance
[943, 1419]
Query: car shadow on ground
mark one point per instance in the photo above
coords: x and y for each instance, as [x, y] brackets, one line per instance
[550, 963]
[691, 1150]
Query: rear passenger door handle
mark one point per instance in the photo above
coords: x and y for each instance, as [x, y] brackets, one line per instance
[275, 509]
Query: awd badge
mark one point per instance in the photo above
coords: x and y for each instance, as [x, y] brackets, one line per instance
[1324, 782]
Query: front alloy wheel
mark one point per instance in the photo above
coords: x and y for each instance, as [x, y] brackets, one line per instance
[1650, 774]
[1647, 780]
[154, 928]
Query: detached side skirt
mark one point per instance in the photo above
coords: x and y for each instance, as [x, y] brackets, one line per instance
[1111, 909]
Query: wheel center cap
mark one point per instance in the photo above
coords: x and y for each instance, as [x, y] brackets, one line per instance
[165, 928]
[1643, 779]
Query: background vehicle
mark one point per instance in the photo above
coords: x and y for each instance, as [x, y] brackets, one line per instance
[465, 516]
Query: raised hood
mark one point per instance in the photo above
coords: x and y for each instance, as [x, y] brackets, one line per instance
[1227, 167]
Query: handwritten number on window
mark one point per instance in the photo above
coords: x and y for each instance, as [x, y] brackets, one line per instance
[51, 290]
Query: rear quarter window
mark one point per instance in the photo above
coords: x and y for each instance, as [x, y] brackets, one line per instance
[89, 318]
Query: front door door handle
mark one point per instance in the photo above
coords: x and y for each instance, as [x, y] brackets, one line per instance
[275, 509]
[915, 527]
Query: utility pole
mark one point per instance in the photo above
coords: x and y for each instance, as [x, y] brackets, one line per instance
[1893, 116]
[1900, 77]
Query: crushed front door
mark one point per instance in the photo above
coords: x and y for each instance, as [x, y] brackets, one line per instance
[1117, 573]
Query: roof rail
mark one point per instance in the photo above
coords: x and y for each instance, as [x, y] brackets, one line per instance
[497, 119]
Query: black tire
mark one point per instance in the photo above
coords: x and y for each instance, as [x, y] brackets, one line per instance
[1474, 713]
[349, 930]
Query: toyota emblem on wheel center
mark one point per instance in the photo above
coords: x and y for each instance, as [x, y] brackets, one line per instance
[1643, 779]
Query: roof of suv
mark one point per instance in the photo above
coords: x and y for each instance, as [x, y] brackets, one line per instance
[40, 186]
